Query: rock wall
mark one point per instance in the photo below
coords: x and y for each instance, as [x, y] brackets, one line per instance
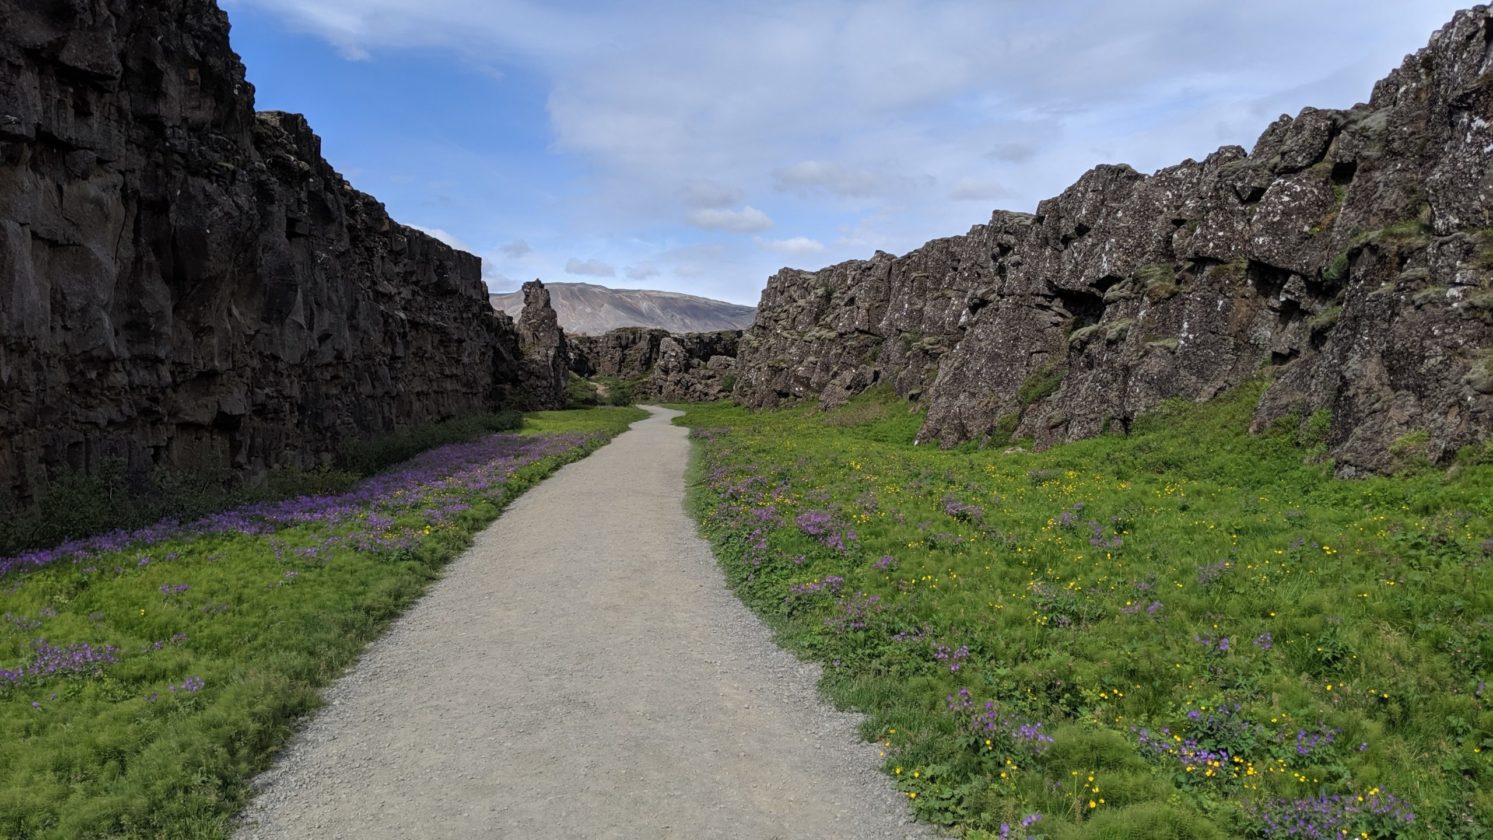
[688, 367]
[185, 283]
[1350, 251]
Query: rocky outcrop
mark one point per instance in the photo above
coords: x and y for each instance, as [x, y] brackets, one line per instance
[545, 350]
[185, 283]
[693, 367]
[1351, 253]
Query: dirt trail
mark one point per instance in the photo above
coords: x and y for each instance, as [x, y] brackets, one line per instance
[582, 672]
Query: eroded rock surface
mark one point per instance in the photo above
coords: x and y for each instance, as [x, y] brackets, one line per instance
[545, 350]
[186, 283]
[1350, 251]
[689, 367]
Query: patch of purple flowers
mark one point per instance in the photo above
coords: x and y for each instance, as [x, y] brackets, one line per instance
[190, 685]
[50, 660]
[1308, 742]
[989, 723]
[831, 584]
[1212, 573]
[1374, 814]
[822, 525]
[1221, 644]
[1025, 825]
[855, 612]
[953, 658]
[961, 510]
[480, 466]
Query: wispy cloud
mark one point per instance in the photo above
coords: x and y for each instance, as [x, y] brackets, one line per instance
[516, 249]
[811, 176]
[797, 246]
[589, 268]
[977, 189]
[444, 236]
[862, 125]
[746, 220]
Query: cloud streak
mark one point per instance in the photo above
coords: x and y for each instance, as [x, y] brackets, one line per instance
[746, 220]
[589, 268]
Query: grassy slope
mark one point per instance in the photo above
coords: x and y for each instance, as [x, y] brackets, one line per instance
[1298, 638]
[265, 622]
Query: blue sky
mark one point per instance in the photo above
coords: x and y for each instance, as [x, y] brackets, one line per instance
[700, 146]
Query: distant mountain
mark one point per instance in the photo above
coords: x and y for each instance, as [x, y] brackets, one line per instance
[588, 309]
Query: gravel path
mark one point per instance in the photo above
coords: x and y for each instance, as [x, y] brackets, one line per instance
[582, 672]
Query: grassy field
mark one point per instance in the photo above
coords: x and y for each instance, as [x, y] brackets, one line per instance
[145, 677]
[1187, 632]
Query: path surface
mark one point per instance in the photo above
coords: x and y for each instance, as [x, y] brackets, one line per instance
[581, 672]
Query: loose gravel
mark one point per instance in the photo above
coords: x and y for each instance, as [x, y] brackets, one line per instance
[582, 672]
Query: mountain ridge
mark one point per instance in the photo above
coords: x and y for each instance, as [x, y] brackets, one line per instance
[591, 309]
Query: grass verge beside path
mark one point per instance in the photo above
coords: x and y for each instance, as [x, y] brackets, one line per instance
[1186, 632]
[142, 685]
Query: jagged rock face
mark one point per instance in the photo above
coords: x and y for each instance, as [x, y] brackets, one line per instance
[545, 349]
[833, 333]
[184, 283]
[1351, 252]
[693, 367]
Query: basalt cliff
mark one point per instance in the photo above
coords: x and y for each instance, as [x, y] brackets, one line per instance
[669, 367]
[1349, 254]
[186, 283]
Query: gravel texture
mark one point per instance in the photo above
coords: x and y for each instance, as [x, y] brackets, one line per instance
[582, 672]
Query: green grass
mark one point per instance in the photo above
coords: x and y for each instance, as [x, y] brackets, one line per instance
[265, 622]
[580, 392]
[84, 504]
[1330, 638]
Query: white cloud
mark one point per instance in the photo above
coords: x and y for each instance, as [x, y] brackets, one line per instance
[797, 246]
[976, 189]
[705, 193]
[869, 125]
[516, 249]
[819, 176]
[641, 272]
[589, 268]
[746, 220]
[443, 236]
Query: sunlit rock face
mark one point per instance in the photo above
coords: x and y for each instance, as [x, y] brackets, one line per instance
[1349, 255]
